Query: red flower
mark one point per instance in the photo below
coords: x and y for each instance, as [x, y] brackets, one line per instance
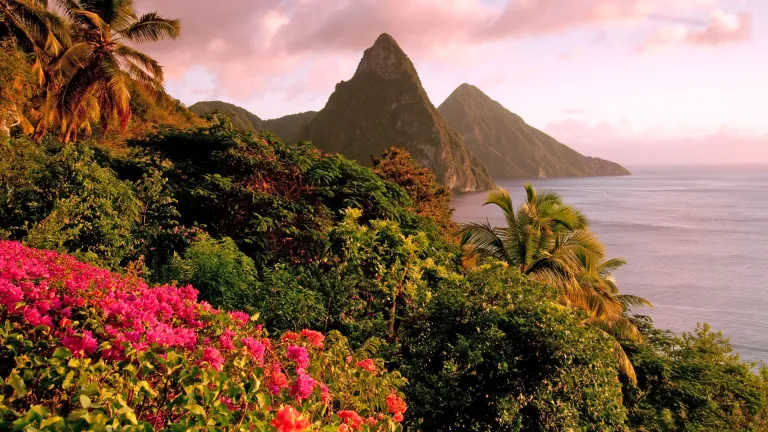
[288, 419]
[396, 405]
[368, 365]
[289, 336]
[351, 419]
[315, 338]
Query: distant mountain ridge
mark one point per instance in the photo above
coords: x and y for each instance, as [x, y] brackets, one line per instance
[288, 128]
[241, 117]
[383, 105]
[509, 147]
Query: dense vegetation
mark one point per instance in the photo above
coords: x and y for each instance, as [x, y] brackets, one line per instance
[327, 295]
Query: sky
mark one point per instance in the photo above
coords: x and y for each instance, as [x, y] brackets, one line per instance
[640, 82]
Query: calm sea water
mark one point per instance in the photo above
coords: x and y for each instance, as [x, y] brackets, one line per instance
[696, 240]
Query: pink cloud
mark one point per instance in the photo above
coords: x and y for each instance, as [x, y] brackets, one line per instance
[722, 28]
[284, 46]
[727, 145]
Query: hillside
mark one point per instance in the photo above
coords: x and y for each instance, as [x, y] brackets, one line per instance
[509, 147]
[289, 128]
[241, 118]
[384, 105]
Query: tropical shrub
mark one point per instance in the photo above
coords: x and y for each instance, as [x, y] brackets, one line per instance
[274, 201]
[693, 383]
[428, 197]
[86, 349]
[222, 275]
[496, 352]
[60, 197]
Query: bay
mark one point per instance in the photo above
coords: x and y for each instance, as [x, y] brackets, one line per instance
[696, 241]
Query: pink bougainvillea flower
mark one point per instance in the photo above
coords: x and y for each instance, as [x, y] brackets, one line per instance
[302, 388]
[80, 345]
[299, 355]
[241, 318]
[213, 357]
[255, 348]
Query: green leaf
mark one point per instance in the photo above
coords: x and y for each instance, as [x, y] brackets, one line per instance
[131, 417]
[196, 409]
[50, 421]
[62, 353]
[17, 383]
[68, 380]
[85, 401]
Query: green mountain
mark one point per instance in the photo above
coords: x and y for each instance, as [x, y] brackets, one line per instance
[290, 128]
[241, 118]
[385, 105]
[509, 147]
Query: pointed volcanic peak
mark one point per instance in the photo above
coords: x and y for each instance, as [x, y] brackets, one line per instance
[241, 118]
[509, 147]
[384, 105]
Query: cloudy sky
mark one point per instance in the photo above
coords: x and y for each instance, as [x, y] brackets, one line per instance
[636, 81]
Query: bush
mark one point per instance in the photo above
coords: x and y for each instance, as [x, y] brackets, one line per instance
[59, 197]
[429, 198]
[223, 276]
[693, 383]
[82, 348]
[274, 201]
[495, 352]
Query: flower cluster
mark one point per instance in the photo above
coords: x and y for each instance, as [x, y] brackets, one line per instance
[160, 349]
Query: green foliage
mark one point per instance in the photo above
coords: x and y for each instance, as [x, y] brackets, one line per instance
[59, 197]
[693, 383]
[274, 201]
[496, 352]
[223, 275]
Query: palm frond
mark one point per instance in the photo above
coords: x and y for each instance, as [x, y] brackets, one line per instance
[632, 301]
[152, 27]
[484, 239]
[141, 59]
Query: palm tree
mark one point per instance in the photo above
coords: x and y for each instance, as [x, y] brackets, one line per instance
[35, 29]
[550, 241]
[94, 74]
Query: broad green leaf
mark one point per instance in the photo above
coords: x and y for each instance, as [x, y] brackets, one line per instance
[17, 383]
[196, 409]
[85, 401]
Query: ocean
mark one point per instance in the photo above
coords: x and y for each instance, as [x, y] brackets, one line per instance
[696, 242]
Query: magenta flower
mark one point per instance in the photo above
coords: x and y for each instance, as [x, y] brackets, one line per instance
[299, 355]
[80, 346]
[302, 388]
[241, 318]
[255, 348]
[213, 357]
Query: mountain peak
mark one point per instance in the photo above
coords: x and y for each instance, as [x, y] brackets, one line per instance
[508, 146]
[467, 90]
[387, 59]
[384, 105]
[385, 39]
